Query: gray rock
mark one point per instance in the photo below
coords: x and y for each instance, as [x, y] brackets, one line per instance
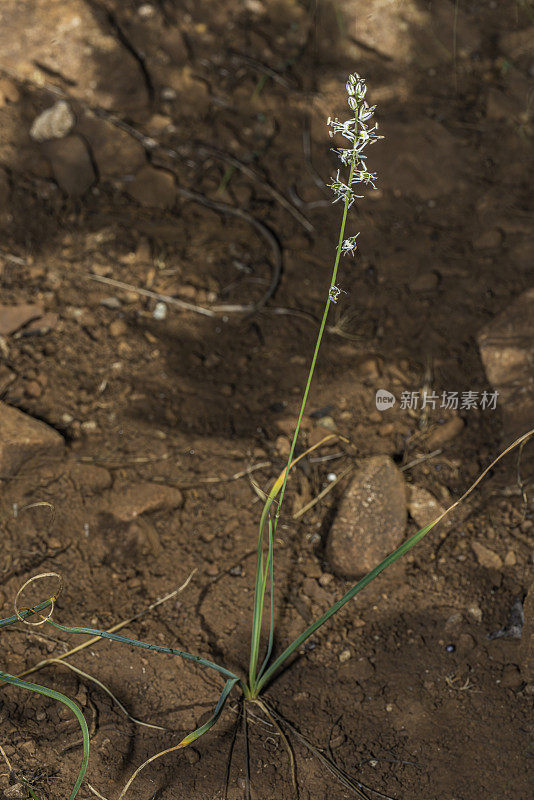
[486, 557]
[423, 506]
[371, 519]
[54, 123]
[153, 187]
[129, 503]
[12, 318]
[116, 152]
[443, 434]
[24, 439]
[71, 164]
[506, 349]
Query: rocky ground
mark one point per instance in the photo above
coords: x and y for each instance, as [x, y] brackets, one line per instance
[165, 251]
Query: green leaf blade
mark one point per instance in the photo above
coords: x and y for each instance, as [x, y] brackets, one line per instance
[61, 698]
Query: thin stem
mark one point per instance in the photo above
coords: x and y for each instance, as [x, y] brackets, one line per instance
[317, 344]
[259, 595]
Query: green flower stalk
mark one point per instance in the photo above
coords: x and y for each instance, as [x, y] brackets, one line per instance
[357, 131]
[360, 134]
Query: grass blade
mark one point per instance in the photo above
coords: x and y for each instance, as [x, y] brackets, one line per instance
[257, 612]
[191, 737]
[196, 734]
[400, 551]
[27, 613]
[261, 577]
[61, 698]
[390, 559]
[259, 600]
[271, 589]
[145, 645]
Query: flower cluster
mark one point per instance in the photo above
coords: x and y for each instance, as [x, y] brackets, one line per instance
[360, 134]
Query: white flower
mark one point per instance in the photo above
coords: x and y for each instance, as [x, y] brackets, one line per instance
[342, 191]
[348, 157]
[356, 86]
[365, 112]
[366, 136]
[334, 292]
[360, 135]
[362, 176]
[346, 129]
[349, 245]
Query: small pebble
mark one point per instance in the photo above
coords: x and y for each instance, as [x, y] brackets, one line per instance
[283, 446]
[118, 328]
[344, 656]
[146, 11]
[443, 434]
[55, 122]
[475, 612]
[33, 389]
[486, 557]
[160, 311]
[112, 303]
[167, 93]
[328, 423]
[510, 559]
[124, 348]
[450, 648]
[454, 620]
[89, 427]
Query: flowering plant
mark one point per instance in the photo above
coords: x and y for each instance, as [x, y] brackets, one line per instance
[360, 134]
